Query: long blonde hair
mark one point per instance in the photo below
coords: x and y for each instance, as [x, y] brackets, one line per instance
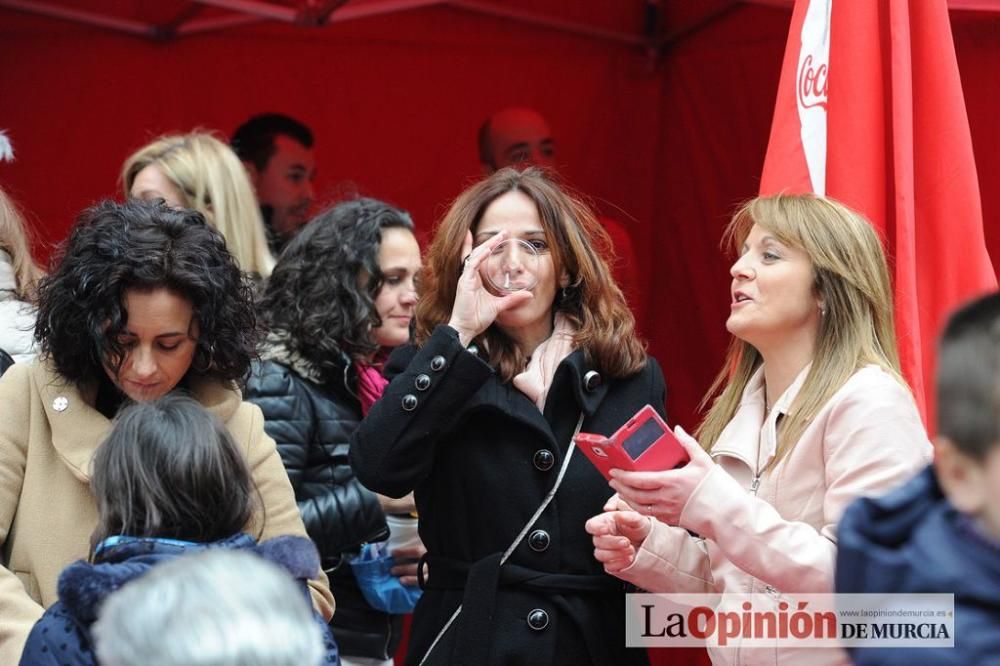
[215, 183]
[850, 278]
[15, 241]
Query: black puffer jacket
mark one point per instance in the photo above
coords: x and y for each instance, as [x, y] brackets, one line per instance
[312, 425]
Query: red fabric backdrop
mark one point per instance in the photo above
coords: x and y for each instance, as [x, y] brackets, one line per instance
[395, 101]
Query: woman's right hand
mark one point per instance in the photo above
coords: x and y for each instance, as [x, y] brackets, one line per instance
[617, 535]
[407, 562]
[476, 308]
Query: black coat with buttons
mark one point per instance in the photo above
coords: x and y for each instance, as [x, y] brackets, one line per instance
[481, 457]
[312, 425]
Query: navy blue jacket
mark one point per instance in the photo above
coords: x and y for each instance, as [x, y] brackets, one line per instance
[62, 635]
[913, 540]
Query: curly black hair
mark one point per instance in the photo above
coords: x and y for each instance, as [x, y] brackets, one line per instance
[315, 301]
[115, 247]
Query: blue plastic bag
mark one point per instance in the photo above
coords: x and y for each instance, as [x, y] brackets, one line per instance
[381, 589]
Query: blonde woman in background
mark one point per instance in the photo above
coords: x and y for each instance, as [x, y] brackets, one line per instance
[18, 275]
[200, 172]
[811, 412]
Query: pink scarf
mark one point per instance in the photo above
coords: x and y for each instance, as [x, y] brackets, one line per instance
[536, 380]
[371, 383]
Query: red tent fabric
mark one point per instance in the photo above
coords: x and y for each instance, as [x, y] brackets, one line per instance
[666, 138]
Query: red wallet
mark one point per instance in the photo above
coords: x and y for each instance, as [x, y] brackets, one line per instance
[644, 443]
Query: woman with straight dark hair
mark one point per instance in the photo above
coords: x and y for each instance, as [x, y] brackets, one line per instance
[479, 419]
[169, 480]
[340, 298]
[144, 300]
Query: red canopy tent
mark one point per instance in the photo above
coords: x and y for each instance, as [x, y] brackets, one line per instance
[661, 111]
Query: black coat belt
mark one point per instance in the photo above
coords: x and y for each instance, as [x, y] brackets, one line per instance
[482, 579]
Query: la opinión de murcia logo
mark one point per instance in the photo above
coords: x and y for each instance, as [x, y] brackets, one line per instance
[812, 80]
[788, 623]
[809, 621]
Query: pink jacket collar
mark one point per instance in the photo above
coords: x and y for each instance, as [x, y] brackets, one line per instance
[750, 417]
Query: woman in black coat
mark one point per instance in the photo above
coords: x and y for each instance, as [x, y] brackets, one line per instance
[340, 297]
[478, 421]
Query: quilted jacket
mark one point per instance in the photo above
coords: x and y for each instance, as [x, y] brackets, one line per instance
[312, 423]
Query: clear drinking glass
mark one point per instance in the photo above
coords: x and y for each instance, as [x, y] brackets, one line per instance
[512, 266]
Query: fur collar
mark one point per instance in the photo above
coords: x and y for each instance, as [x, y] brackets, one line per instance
[275, 348]
[83, 586]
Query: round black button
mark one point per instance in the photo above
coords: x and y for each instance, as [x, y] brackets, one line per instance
[543, 460]
[538, 541]
[437, 363]
[409, 402]
[592, 380]
[422, 382]
[538, 619]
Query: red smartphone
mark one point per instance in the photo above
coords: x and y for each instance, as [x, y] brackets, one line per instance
[644, 443]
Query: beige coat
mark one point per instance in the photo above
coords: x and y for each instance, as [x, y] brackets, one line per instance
[48, 434]
[867, 439]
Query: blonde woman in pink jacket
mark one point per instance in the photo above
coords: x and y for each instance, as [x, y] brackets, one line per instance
[810, 412]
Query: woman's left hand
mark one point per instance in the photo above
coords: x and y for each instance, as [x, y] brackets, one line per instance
[664, 495]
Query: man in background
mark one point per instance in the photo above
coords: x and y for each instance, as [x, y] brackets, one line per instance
[277, 151]
[520, 137]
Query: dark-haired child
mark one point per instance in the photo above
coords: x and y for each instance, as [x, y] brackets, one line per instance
[169, 480]
[940, 532]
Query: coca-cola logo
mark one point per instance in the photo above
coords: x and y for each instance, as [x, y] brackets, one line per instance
[812, 84]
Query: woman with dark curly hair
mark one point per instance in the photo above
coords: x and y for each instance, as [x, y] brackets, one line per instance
[478, 422]
[145, 300]
[340, 297]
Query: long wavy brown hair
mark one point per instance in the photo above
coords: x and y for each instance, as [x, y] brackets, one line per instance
[592, 301]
